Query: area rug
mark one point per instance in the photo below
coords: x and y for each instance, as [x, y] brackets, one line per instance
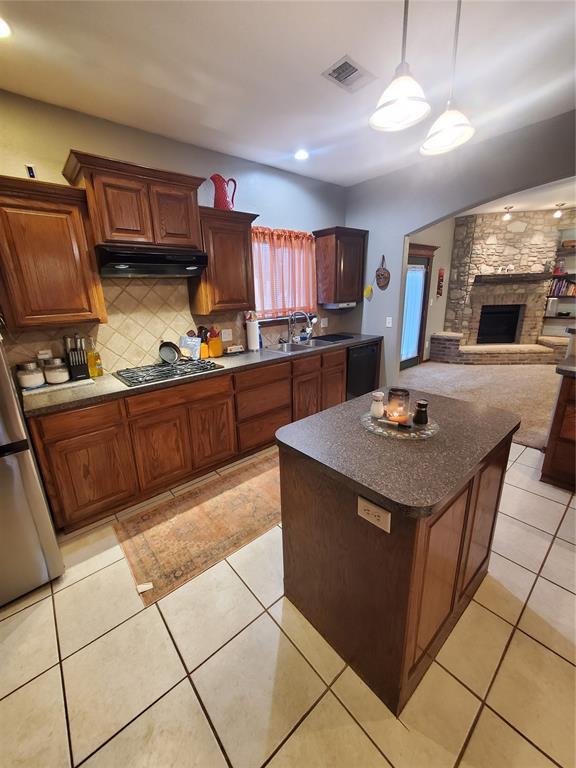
[169, 544]
[527, 390]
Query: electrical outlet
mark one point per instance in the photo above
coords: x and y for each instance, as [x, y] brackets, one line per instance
[323, 322]
[388, 322]
[374, 514]
[226, 334]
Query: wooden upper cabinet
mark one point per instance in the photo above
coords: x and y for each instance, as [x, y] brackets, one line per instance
[228, 282]
[175, 215]
[340, 258]
[130, 203]
[124, 209]
[47, 264]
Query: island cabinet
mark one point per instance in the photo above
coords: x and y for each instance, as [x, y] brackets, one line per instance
[559, 466]
[133, 204]
[48, 273]
[227, 284]
[386, 541]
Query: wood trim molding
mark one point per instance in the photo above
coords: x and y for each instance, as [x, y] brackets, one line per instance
[78, 162]
[422, 251]
[207, 212]
[40, 190]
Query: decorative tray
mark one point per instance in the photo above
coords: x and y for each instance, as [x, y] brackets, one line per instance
[400, 431]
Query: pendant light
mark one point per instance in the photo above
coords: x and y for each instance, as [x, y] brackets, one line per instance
[507, 216]
[403, 103]
[558, 212]
[452, 128]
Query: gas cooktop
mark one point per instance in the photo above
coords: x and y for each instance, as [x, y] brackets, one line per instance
[149, 374]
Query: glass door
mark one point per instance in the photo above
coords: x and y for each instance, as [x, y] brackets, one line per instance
[414, 293]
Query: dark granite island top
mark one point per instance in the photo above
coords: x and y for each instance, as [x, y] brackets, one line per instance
[386, 541]
[410, 477]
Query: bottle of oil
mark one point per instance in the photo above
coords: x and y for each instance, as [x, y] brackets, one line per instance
[94, 361]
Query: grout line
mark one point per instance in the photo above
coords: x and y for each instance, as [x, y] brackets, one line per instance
[540, 495]
[56, 591]
[25, 608]
[63, 684]
[189, 677]
[6, 695]
[107, 632]
[519, 519]
[126, 725]
[511, 725]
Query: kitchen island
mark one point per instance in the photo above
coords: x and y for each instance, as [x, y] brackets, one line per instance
[386, 540]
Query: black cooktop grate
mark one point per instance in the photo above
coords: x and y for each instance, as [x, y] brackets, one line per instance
[149, 374]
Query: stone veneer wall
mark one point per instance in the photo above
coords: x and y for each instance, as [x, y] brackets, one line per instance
[483, 244]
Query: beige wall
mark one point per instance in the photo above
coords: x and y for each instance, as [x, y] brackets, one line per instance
[440, 235]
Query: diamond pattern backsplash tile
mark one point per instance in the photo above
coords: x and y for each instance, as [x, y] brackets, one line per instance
[141, 313]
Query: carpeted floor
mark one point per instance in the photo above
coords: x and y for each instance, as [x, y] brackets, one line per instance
[528, 390]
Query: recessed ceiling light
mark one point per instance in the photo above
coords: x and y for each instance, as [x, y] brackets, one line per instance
[301, 154]
[5, 30]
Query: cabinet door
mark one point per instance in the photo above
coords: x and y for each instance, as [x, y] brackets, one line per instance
[229, 277]
[48, 273]
[92, 473]
[349, 268]
[481, 519]
[175, 215]
[123, 209]
[333, 386]
[440, 549]
[213, 431]
[162, 447]
[306, 395]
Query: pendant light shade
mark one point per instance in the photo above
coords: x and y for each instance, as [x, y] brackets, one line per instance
[403, 103]
[449, 131]
[558, 212]
[507, 216]
[452, 128]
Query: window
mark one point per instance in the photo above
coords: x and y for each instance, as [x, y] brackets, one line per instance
[284, 271]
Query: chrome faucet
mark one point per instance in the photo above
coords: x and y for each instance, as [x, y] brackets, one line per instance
[292, 320]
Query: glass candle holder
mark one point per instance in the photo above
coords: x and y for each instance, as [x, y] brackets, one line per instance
[398, 409]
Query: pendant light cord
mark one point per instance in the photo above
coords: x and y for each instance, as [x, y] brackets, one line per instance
[404, 33]
[455, 49]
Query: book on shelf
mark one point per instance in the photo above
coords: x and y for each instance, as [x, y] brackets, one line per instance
[563, 288]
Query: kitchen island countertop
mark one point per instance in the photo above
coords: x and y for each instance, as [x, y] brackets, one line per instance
[108, 387]
[410, 477]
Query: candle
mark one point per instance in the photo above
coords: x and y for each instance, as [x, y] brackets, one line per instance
[398, 409]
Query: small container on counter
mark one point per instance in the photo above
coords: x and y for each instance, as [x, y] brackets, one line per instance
[377, 405]
[30, 375]
[398, 409]
[421, 413]
[94, 360]
[56, 371]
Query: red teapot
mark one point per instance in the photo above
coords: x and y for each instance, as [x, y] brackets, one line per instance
[222, 199]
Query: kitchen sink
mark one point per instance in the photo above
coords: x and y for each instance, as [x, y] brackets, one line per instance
[315, 343]
[286, 348]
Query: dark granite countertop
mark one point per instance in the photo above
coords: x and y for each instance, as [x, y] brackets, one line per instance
[108, 387]
[567, 367]
[407, 477]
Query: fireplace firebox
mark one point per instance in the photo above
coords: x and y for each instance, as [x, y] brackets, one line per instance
[500, 323]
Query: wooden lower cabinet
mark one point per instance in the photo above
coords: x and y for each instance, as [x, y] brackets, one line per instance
[162, 449]
[306, 395]
[333, 386]
[91, 473]
[213, 431]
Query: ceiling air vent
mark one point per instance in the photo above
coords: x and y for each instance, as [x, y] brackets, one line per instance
[348, 75]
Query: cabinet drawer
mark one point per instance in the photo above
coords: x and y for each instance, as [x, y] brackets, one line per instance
[180, 394]
[332, 359]
[261, 431]
[81, 420]
[306, 365]
[265, 375]
[260, 400]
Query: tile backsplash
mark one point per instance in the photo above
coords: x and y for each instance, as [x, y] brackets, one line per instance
[141, 313]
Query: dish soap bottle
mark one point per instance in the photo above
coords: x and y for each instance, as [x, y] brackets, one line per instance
[94, 361]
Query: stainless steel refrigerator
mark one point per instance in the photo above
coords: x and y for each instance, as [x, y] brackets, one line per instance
[29, 554]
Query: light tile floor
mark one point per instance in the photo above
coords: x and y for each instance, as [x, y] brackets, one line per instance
[224, 671]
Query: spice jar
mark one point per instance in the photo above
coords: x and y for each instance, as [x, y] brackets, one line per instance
[56, 371]
[421, 413]
[398, 409]
[377, 406]
[29, 375]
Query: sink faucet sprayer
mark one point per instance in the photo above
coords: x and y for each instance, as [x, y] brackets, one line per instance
[310, 321]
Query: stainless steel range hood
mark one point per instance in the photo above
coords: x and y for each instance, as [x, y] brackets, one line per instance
[149, 261]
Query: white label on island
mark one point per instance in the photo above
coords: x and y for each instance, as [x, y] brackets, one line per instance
[374, 514]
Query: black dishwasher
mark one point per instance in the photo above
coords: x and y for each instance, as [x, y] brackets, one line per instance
[363, 373]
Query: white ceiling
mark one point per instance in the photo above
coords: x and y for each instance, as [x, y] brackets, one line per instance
[245, 77]
[541, 198]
